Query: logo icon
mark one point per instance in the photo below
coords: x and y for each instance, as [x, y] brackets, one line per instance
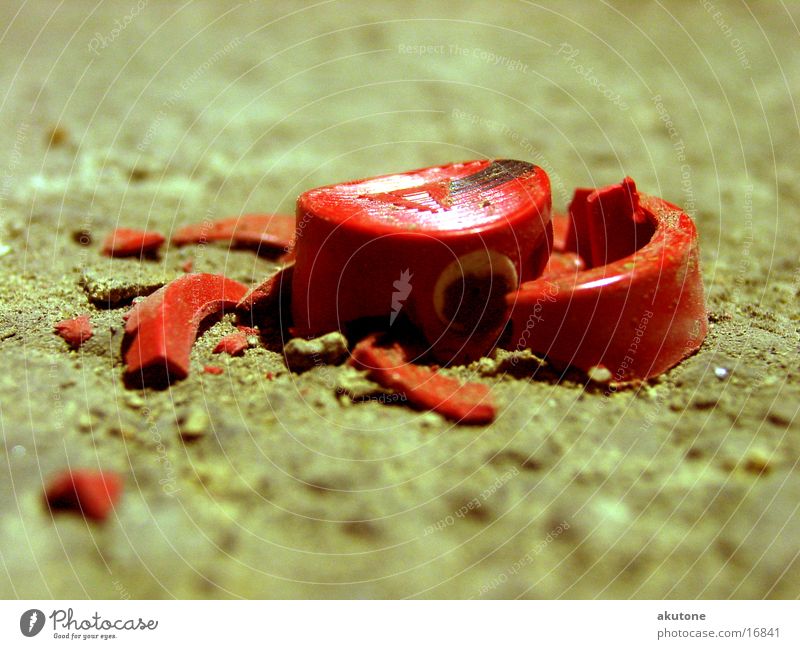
[31, 622]
[402, 289]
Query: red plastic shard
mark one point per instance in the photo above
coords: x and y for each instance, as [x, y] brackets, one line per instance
[439, 246]
[125, 242]
[607, 224]
[288, 257]
[248, 230]
[92, 493]
[637, 309]
[161, 329]
[75, 331]
[562, 262]
[233, 344]
[561, 228]
[391, 367]
[213, 369]
[272, 296]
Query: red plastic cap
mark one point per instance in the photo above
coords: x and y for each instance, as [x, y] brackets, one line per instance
[441, 246]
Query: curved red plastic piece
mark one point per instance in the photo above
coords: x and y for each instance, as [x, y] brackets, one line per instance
[248, 230]
[125, 242]
[441, 245]
[637, 309]
[161, 329]
[392, 368]
[272, 295]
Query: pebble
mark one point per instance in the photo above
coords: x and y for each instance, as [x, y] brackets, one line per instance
[82, 237]
[194, 424]
[599, 374]
[134, 400]
[487, 366]
[302, 355]
[354, 384]
[57, 135]
[430, 420]
[503, 361]
[122, 430]
[7, 332]
[782, 412]
[721, 373]
[110, 291]
[757, 461]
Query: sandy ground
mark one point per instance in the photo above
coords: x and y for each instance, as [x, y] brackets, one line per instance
[168, 114]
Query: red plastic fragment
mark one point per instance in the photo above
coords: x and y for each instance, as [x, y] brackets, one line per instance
[442, 246]
[562, 262]
[213, 369]
[161, 329]
[607, 224]
[125, 242]
[187, 266]
[288, 256]
[391, 367]
[248, 230]
[75, 331]
[561, 228]
[92, 493]
[233, 344]
[637, 309]
[272, 296]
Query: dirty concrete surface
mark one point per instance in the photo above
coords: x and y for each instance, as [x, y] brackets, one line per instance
[158, 115]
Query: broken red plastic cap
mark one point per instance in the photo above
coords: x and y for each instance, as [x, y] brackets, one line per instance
[637, 309]
[161, 329]
[441, 245]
